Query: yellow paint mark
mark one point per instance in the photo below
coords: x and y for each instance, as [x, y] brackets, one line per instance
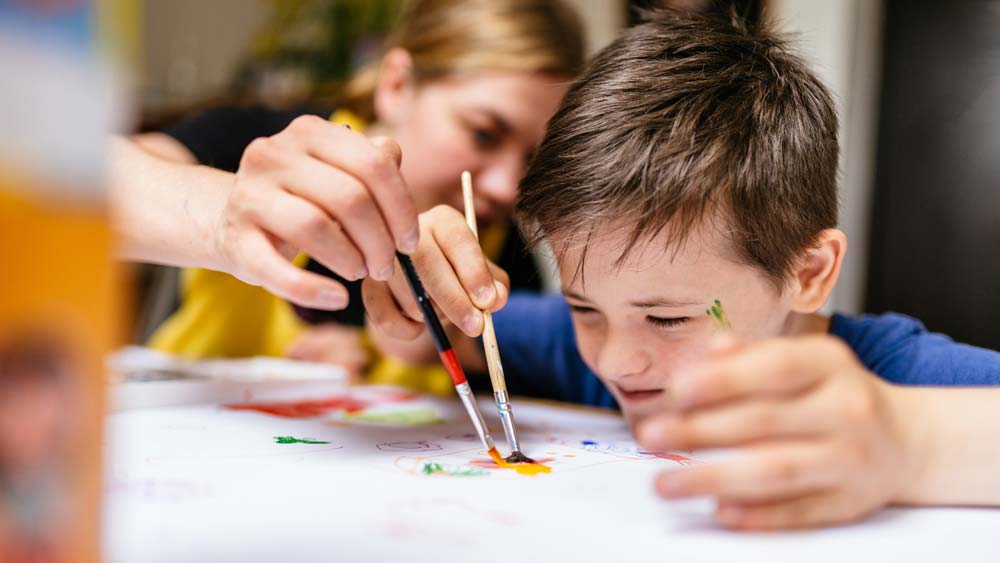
[530, 469]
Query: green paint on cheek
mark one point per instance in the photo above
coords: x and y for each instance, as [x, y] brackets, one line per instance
[432, 468]
[293, 440]
[415, 417]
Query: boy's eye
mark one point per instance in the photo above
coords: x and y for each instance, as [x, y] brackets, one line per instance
[581, 309]
[668, 321]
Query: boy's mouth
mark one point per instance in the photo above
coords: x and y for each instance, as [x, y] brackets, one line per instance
[638, 395]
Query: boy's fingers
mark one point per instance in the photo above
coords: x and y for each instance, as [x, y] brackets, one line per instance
[766, 474]
[385, 313]
[501, 281]
[735, 424]
[774, 367]
[403, 295]
[811, 510]
[461, 248]
[447, 292]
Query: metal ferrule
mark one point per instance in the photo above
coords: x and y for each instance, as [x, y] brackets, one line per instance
[469, 402]
[507, 420]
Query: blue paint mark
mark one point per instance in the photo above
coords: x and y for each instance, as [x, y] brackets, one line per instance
[589, 443]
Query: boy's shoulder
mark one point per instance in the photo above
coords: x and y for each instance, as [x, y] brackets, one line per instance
[901, 350]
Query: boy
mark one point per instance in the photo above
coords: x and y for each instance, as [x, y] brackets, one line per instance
[696, 161]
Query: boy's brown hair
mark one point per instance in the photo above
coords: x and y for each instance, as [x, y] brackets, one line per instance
[681, 118]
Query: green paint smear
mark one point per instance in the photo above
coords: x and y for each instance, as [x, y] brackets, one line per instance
[416, 417]
[293, 440]
[432, 468]
[719, 314]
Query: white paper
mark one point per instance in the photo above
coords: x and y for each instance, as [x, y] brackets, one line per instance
[203, 483]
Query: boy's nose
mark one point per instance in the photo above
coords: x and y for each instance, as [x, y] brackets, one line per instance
[620, 358]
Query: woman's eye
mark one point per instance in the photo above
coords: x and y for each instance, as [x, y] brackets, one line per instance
[668, 321]
[484, 138]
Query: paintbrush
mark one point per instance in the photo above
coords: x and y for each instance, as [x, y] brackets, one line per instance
[445, 350]
[492, 350]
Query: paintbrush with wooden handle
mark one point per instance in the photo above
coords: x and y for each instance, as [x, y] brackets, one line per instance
[492, 351]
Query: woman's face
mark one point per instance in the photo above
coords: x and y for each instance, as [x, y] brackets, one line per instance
[488, 124]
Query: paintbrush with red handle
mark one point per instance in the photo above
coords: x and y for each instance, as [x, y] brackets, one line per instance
[445, 350]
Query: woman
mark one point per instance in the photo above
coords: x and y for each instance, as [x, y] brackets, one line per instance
[462, 85]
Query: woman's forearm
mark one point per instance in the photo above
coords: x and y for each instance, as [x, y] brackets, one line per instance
[165, 212]
[954, 436]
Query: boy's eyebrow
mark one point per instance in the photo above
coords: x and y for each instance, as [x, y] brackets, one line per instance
[577, 296]
[647, 304]
[664, 302]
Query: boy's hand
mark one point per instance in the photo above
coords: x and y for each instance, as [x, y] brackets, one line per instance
[820, 438]
[331, 343]
[455, 273]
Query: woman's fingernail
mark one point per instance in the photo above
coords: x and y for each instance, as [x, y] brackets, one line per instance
[332, 299]
[472, 323]
[410, 241]
[361, 274]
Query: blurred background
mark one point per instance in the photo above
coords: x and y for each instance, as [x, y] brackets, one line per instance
[917, 83]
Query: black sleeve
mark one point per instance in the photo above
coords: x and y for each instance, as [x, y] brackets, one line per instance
[218, 137]
[519, 264]
[353, 315]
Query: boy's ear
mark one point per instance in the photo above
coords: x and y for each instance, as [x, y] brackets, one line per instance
[394, 86]
[819, 270]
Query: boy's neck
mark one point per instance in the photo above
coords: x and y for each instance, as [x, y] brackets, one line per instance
[799, 324]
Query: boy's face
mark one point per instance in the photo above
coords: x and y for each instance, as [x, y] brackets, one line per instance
[640, 323]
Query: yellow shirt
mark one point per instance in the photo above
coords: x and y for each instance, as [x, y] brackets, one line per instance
[220, 316]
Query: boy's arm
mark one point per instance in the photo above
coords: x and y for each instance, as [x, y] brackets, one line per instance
[954, 434]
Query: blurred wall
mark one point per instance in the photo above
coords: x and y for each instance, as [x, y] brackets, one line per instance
[192, 48]
[842, 38]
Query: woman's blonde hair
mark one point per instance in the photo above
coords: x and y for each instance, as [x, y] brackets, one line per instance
[450, 37]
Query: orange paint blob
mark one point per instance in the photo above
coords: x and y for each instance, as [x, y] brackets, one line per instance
[531, 469]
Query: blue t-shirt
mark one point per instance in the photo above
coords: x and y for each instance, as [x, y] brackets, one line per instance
[541, 359]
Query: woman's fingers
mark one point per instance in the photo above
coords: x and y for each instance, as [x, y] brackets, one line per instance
[340, 196]
[308, 229]
[374, 164]
[266, 267]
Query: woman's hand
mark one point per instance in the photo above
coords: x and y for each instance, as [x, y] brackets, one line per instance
[318, 188]
[820, 439]
[459, 278]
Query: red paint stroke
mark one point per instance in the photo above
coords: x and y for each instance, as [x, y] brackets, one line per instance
[683, 460]
[317, 407]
